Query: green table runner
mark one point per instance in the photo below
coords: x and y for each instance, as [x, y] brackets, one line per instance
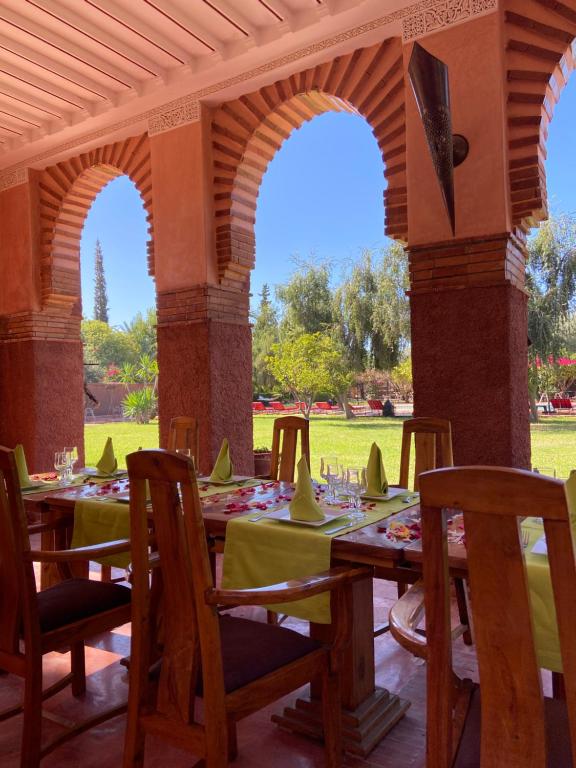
[269, 551]
[542, 600]
[97, 522]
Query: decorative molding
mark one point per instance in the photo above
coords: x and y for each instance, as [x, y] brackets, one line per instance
[185, 110]
[202, 303]
[12, 178]
[302, 53]
[445, 14]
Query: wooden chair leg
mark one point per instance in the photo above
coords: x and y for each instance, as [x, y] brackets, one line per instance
[78, 666]
[460, 588]
[401, 588]
[271, 618]
[332, 719]
[32, 729]
[106, 573]
[558, 686]
[232, 741]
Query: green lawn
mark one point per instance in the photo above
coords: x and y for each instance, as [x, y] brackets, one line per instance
[553, 440]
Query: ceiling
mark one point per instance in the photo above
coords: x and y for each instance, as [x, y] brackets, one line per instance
[67, 66]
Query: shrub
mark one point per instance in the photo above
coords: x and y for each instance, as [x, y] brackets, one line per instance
[140, 405]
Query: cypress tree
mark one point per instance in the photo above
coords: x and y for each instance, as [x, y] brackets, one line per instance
[100, 295]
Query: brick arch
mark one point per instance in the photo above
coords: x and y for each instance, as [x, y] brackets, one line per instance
[540, 55]
[247, 132]
[67, 190]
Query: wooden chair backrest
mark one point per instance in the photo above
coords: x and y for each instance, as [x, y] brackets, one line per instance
[432, 447]
[18, 606]
[184, 433]
[284, 441]
[190, 630]
[493, 500]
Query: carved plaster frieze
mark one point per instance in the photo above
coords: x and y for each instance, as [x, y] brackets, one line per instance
[13, 178]
[440, 15]
[182, 111]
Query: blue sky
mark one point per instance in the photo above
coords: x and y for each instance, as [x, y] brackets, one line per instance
[321, 199]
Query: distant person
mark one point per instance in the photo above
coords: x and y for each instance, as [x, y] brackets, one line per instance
[387, 409]
[89, 399]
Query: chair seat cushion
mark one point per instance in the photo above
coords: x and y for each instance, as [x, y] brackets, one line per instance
[251, 649]
[558, 737]
[77, 599]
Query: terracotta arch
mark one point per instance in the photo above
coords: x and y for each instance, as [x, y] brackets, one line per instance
[540, 55]
[67, 190]
[247, 132]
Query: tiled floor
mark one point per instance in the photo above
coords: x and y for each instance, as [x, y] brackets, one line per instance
[261, 744]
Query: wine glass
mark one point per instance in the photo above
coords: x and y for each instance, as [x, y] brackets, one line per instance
[357, 484]
[71, 459]
[60, 464]
[329, 472]
[547, 471]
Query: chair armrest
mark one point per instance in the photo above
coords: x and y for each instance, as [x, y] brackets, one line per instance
[94, 552]
[289, 591]
[405, 615]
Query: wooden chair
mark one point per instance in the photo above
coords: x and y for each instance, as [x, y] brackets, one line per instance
[184, 433]
[506, 721]
[284, 440]
[432, 450]
[34, 623]
[432, 447]
[237, 666]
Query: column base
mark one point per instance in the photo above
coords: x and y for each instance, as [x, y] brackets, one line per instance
[363, 727]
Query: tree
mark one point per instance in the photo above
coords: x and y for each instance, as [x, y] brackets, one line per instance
[142, 333]
[307, 301]
[372, 311]
[105, 346]
[309, 363]
[100, 295]
[264, 335]
[551, 284]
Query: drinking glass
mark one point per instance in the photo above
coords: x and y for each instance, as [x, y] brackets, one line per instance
[60, 464]
[329, 472]
[357, 484]
[184, 451]
[71, 459]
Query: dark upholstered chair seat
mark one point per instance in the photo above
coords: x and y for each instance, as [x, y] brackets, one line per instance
[558, 738]
[77, 599]
[251, 649]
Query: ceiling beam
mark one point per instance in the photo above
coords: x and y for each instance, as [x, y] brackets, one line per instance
[282, 10]
[56, 67]
[192, 26]
[50, 111]
[47, 37]
[9, 71]
[142, 29]
[101, 36]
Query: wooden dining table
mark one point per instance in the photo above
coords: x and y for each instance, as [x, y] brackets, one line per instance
[369, 711]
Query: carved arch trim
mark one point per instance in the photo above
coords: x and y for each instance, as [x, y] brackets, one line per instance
[247, 133]
[539, 56]
[67, 191]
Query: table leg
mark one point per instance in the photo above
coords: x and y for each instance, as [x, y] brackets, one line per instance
[368, 711]
[57, 538]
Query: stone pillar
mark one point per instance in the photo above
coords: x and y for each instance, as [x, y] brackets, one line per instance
[470, 347]
[204, 341]
[41, 371]
[468, 304]
[204, 348]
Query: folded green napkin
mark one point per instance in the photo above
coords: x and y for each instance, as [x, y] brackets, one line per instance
[21, 466]
[375, 473]
[303, 505]
[223, 469]
[107, 464]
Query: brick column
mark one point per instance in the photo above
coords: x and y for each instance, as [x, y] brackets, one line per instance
[469, 345]
[41, 386]
[204, 354]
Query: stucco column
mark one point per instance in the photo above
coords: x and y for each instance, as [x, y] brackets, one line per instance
[41, 370]
[469, 353]
[204, 341]
[467, 297]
